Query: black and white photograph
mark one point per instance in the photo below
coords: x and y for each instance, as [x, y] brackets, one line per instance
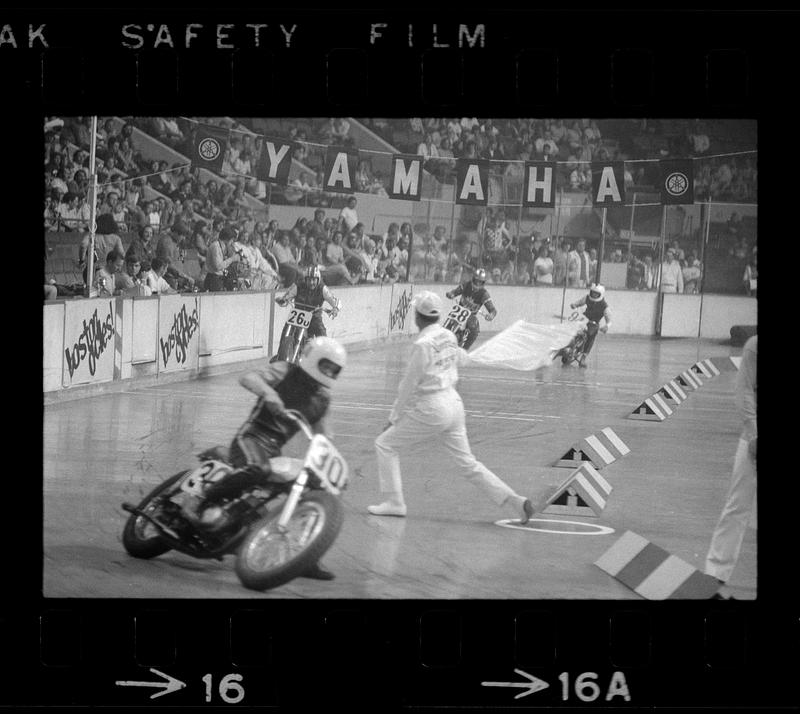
[400, 358]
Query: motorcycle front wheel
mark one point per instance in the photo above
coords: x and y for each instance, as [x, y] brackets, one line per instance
[271, 556]
[140, 537]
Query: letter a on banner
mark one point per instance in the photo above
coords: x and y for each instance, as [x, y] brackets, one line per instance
[608, 183]
[340, 168]
[472, 182]
[677, 181]
[406, 181]
[209, 147]
[540, 184]
[276, 160]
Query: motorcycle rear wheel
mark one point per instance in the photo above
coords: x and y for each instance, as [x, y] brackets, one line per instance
[268, 558]
[135, 536]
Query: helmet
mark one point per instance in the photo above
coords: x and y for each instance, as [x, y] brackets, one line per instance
[312, 276]
[427, 303]
[323, 359]
[596, 292]
[479, 276]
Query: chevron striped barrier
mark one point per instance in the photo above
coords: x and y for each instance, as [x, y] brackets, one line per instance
[650, 571]
[687, 379]
[651, 409]
[671, 392]
[599, 449]
[584, 493]
[725, 364]
[700, 368]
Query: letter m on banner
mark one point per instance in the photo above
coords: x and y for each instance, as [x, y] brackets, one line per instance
[406, 181]
[472, 182]
[276, 160]
[540, 184]
[209, 147]
[340, 169]
[608, 183]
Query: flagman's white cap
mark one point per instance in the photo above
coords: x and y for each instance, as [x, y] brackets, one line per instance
[427, 303]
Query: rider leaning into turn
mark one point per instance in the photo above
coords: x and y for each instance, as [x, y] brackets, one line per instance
[304, 387]
[312, 292]
[474, 296]
[596, 309]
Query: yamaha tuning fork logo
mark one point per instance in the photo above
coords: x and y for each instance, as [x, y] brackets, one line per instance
[676, 184]
[209, 149]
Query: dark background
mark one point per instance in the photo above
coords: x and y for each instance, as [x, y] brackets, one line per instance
[391, 655]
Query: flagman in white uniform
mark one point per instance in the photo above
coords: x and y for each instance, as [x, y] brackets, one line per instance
[428, 405]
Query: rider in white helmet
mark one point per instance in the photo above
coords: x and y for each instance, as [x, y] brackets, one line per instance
[473, 296]
[304, 387]
[596, 309]
[310, 292]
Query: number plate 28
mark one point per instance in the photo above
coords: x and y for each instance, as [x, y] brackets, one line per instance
[459, 314]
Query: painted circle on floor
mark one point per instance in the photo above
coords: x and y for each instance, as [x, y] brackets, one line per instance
[566, 528]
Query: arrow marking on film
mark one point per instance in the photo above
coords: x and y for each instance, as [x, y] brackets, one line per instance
[534, 685]
[170, 685]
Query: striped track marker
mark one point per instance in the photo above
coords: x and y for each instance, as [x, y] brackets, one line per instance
[699, 368]
[710, 366]
[599, 449]
[672, 392]
[650, 571]
[584, 493]
[687, 379]
[736, 362]
[723, 364]
[648, 410]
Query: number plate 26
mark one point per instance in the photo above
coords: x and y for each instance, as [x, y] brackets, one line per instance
[324, 459]
[300, 318]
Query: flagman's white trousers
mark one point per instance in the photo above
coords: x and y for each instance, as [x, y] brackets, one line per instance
[438, 415]
[736, 514]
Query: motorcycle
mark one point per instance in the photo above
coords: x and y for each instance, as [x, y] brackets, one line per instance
[295, 332]
[273, 544]
[456, 321]
[573, 352]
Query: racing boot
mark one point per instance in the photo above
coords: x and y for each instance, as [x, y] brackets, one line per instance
[317, 572]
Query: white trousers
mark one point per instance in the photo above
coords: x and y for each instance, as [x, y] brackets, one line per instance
[732, 525]
[436, 415]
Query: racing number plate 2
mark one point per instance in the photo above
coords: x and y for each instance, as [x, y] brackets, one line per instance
[324, 459]
[300, 318]
[459, 314]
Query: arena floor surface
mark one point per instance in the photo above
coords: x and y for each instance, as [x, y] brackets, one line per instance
[106, 449]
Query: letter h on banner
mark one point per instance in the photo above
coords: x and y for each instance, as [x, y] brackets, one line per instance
[540, 185]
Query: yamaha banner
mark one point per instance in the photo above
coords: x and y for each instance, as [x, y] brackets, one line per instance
[406, 182]
[677, 181]
[472, 182]
[608, 183]
[276, 160]
[540, 184]
[209, 147]
[340, 169]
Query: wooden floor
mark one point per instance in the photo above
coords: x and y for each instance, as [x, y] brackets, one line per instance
[103, 450]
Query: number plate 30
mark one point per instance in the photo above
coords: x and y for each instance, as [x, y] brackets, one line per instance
[324, 459]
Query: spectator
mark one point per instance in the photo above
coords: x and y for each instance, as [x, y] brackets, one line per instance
[73, 213]
[218, 257]
[309, 255]
[348, 217]
[79, 184]
[143, 247]
[635, 272]
[129, 280]
[578, 266]
[105, 278]
[692, 273]
[171, 253]
[154, 278]
[560, 258]
[751, 274]
[592, 266]
[671, 276]
[543, 267]
[167, 131]
[648, 273]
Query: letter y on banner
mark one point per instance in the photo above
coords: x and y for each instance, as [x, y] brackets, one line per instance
[276, 160]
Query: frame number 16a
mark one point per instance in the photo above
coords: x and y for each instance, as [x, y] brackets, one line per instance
[587, 689]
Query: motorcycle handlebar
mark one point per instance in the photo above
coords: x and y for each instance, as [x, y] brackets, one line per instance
[300, 420]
